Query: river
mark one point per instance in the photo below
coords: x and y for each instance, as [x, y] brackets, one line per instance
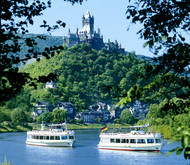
[85, 152]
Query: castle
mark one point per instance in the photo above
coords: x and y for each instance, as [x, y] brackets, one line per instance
[89, 36]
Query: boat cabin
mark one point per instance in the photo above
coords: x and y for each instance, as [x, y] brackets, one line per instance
[57, 127]
[50, 137]
[131, 140]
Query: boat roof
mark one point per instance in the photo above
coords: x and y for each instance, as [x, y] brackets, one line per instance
[55, 125]
[138, 126]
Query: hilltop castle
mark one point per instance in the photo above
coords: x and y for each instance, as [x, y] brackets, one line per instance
[88, 35]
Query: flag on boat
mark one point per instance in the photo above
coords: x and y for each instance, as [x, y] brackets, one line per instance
[103, 129]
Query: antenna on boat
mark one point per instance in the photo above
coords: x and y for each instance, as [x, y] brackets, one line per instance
[65, 124]
[42, 126]
[117, 127]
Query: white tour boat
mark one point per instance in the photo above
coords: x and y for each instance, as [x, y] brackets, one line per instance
[136, 140]
[56, 136]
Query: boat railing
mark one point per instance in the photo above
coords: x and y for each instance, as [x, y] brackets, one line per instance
[109, 133]
[50, 131]
[135, 133]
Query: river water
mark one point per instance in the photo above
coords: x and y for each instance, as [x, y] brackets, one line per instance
[85, 152]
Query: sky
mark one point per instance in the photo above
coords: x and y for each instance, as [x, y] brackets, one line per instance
[109, 16]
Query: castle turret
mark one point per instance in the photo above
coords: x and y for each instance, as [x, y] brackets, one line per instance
[98, 30]
[88, 23]
[77, 29]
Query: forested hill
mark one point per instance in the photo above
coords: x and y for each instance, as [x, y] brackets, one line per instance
[86, 76]
[50, 41]
[41, 43]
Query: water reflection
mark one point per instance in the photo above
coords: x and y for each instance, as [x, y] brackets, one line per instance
[129, 157]
[48, 155]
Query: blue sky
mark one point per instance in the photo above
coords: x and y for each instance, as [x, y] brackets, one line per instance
[109, 16]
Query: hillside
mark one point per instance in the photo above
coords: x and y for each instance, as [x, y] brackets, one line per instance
[86, 76]
[55, 41]
[41, 43]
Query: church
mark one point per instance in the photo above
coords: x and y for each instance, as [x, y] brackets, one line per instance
[89, 36]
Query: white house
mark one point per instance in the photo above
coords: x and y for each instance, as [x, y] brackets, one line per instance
[50, 85]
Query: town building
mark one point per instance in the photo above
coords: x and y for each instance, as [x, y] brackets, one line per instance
[40, 108]
[139, 109]
[93, 116]
[51, 84]
[43, 107]
[68, 106]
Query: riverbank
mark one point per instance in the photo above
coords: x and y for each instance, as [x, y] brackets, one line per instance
[23, 128]
[166, 131]
[12, 128]
[96, 126]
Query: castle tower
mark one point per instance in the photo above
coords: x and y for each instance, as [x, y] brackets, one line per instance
[86, 34]
[88, 23]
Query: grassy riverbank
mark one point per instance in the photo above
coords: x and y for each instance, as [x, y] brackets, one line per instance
[96, 126]
[11, 128]
[166, 131]
[20, 128]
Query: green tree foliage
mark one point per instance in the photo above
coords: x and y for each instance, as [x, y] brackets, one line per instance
[80, 121]
[171, 118]
[5, 115]
[165, 27]
[59, 115]
[165, 24]
[15, 17]
[175, 112]
[127, 117]
[98, 120]
[87, 76]
[18, 116]
[184, 135]
[43, 94]
[22, 100]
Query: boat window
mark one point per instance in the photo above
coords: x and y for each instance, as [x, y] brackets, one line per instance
[41, 137]
[105, 140]
[63, 137]
[37, 137]
[141, 141]
[29, 136]
[117, 140]
[123, 140]
[47, 137]
[150, 140]
[57, 137]
[112, 140]
[132, 140]
[71, 137]
[158, 141]
[51, 137]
